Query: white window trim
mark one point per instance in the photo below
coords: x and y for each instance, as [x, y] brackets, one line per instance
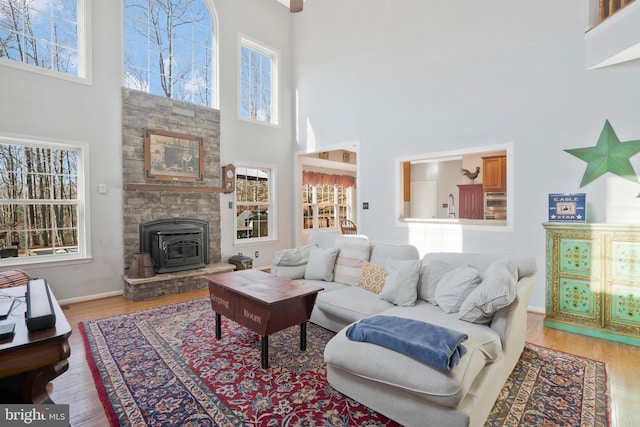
[246, 41]
[85, 61]
[272, 218]
[336, 208]
[84, 225]
[215, 54]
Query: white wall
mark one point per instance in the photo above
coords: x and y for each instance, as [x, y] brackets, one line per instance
[240, 141]
[45, 107]
[403, 80]
[429, 76]
[36, 105]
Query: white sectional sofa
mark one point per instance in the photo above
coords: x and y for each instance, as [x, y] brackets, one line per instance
[490, 308]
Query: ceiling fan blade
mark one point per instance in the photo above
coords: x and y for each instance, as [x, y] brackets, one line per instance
[296, 6]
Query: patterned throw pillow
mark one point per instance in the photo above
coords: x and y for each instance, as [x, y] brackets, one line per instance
[372, 277]
[353, 252]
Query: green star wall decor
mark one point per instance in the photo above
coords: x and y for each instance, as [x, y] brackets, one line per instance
[609, 155]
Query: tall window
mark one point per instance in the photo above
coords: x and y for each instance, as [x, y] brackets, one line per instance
[258, 82]
[41, 202]
[168, 49]
[255, 211]
[325, 205]
[46, 34]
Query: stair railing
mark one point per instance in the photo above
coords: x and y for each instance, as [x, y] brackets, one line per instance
[609, 7]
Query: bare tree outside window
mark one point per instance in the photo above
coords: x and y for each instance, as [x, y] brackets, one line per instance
[43, 33]
[168, 49]
[38, 200]
[257, 82]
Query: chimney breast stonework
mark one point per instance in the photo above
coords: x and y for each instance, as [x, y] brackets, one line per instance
[141, 110]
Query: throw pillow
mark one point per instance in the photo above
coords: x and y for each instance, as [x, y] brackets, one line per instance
[353, 252]
[454, 287]
[430, 275]
[291, 263]
[497, 290]
[401, 284]
[321, 263]
[372, 277]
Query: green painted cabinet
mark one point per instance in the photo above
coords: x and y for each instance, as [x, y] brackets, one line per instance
[593, 280]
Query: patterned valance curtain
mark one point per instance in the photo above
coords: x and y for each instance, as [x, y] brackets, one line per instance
[319, 178]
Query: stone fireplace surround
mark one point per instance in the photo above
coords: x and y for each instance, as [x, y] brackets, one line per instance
[141, 110]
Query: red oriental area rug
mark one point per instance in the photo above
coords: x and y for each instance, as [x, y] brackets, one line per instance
[164, 367]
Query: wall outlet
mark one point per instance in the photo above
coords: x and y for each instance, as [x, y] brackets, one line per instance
[445, 205]
[365, 205]
[257, 254]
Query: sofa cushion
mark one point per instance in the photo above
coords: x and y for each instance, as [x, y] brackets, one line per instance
[526, 264]
[328, 239]
[497, 290]
[383, 252]
[351, 303]
[444, 388]
[327, 286]
[291, 263]
[401, 284]
[454, 287]
[321, 264]
[353, 252]
[430, 275]
[488, 339]
[372, 277]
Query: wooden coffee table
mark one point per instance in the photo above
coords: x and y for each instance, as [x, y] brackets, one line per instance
[263, 303]
[29, 360]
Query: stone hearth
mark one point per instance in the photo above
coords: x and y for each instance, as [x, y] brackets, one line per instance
[171, 283]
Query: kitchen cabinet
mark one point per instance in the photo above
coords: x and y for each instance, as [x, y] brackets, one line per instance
[494, 174]
[593, 280]
[470, 201]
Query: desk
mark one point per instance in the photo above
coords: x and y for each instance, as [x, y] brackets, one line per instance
[29, 360]
[263, 303]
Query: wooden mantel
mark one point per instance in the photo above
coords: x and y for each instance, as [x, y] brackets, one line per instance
[176, 188]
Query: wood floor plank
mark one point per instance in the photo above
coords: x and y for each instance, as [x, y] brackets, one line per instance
[77, 388]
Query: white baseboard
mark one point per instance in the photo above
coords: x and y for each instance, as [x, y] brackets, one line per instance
[89, 297]
[539, 310]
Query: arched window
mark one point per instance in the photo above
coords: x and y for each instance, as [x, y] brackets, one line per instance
[170, 49]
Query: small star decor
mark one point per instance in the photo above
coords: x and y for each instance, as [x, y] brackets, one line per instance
[609, 155]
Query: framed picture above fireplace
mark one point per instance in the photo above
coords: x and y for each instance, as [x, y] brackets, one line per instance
[170, 156]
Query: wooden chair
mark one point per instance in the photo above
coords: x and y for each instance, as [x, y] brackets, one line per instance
[348, 227]
[12, 278]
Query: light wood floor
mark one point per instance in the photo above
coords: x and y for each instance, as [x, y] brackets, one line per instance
[76, 386]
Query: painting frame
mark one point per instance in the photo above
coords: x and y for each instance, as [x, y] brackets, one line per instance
[172, 156]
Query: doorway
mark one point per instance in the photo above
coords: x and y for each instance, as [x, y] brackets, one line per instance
[326, 190]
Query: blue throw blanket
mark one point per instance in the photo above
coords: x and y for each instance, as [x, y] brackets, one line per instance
[432, 344]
